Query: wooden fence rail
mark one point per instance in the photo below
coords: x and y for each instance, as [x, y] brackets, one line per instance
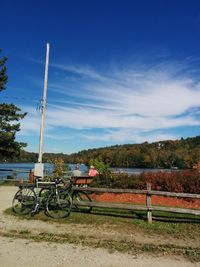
[136, 191]
[148, 207]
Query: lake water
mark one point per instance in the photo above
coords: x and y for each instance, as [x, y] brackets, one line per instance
[21, 170]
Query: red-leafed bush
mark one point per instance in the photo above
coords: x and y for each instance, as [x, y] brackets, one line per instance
[181, 181]
[177, 181]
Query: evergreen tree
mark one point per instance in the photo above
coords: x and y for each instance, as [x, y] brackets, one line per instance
[9, 117]
[3, 75]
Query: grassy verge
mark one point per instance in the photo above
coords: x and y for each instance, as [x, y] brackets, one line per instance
[176, 225]
[180, 227]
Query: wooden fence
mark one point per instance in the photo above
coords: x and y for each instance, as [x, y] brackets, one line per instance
[82, 181]
[148, 207]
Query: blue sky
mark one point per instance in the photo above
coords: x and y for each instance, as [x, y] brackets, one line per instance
[120, 71]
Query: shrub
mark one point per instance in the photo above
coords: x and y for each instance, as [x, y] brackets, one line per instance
[181, 181]
[112, 180]
[59, 168]
[100, 166]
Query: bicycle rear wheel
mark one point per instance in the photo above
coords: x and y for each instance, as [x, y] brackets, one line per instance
[58, 205]
[24, 201]
[78, 196]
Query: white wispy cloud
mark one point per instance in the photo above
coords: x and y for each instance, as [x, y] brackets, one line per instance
[131, 135]
[81, 70]
[125, 102]
[30, 125]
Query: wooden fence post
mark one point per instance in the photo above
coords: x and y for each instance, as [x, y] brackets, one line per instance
[148, 203]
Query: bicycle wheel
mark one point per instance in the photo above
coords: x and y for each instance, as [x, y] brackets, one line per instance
[44, 192]
[78, 196]
[24, 201]
[58, 205]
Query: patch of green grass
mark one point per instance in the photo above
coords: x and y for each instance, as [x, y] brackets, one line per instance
[177, 230]
[24, 232]
[174, 229]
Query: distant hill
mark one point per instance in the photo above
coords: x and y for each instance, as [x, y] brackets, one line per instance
[183, 153]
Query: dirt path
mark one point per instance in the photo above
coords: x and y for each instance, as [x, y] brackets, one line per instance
[21, 252]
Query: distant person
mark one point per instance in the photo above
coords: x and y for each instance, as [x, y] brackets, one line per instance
[92, 171]
[77, 171]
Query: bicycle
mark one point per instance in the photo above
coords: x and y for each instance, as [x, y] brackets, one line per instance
[77, 196]
[30, 200]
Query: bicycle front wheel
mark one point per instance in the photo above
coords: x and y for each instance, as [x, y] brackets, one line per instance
[44, 192]
[79, 196]
[24, 201]
[58, 206]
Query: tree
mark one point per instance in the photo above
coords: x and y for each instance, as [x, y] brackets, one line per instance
[9, 114]
[3, 75]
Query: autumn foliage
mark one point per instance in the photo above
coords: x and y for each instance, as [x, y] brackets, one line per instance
[175, 181]
[181, 181]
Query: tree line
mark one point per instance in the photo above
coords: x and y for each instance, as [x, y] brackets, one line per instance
[182, 154]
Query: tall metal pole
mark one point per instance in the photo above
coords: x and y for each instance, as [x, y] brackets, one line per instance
[41, 147]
